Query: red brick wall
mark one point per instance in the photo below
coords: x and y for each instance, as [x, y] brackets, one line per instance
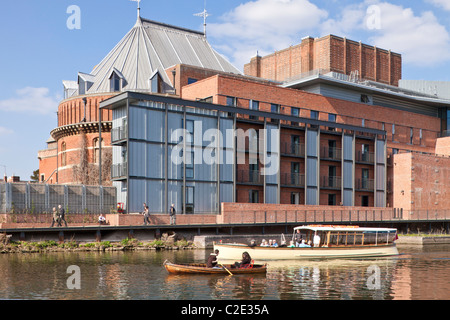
[421, 182]
[328, 53]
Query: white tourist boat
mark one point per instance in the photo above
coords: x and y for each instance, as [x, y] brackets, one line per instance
[325, 241]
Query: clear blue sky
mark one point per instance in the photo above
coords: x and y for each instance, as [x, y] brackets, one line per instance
[38, 50]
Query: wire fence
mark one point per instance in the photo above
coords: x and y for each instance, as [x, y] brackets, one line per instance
[42, 198]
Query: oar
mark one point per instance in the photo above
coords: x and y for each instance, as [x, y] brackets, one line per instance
[225, 269]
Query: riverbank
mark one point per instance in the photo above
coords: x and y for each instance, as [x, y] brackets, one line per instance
[72, 246]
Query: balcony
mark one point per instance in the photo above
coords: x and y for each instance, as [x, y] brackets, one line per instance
[119, 171]
[366, 157]
[293, 179]
[293, 149]
[249, 176]
[365, 184]
[331, 153]
[119, 134]
[330, 182]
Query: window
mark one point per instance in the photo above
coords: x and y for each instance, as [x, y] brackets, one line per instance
[253, 196]
[331, 199]
[365, 179]
[192, 80]
[332, 182]
[274, 108]
[411, 135]
[231, 101]
[295, 145]
[295, 173]
[420, 135]
[190, 154]
[295, 112]
[331, 117]
[365, 98]
[365, 155]
[189, 199]
[63, 155]
[332, 152]
[156, 84]
[393, 132]
[97, 150]
[363, 122]
[295, 198]
[115, 83]
[314, 115]
[364, 201]
[254, 105]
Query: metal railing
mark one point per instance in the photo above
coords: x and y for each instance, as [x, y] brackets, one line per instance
[365, 184]
[119, 170]
[118, 134]
[293, 149]
[332, 182]
[292, 179]
[249, 176]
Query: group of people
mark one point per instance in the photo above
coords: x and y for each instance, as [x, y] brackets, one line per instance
[172, 214]
[213, 262]
[58, 216]
[270, 243]
[300, 242]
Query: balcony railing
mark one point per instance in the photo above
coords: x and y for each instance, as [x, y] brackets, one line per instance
[331, 182]
[293, 149]
[249, 176]
[331, 153]
[118, 134]
[119, 170]
[365, 184]
[368, 157]
[293, 179]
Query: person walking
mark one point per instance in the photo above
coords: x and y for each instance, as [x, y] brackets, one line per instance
[173, 214]
[146, 215]
[62, 214]
[55, 218]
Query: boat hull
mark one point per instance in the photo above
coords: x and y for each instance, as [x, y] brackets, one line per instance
[234, 252]
[202, 269]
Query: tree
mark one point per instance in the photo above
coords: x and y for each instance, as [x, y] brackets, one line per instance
[35, 176]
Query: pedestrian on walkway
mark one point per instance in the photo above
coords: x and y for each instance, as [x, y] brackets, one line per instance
[146, 215]
[62, 214]
[55, 217]
[173, 214]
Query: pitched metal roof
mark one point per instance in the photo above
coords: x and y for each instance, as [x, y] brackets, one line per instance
[151, 47]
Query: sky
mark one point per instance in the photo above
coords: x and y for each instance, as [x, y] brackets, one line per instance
[47, 41]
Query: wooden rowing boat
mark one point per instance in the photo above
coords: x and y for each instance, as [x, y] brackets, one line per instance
[200, 268]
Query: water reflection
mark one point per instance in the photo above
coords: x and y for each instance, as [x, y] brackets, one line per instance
[419, 273]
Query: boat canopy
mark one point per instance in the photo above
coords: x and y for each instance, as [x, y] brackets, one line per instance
[341, 228]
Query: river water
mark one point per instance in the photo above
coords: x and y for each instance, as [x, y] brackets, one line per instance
[417, 273]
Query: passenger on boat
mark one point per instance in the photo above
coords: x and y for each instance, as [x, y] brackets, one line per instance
[316, 240]
[304, 245]
[298, 238]
[212, 259]
[245, 262]
[264, 243]
[252, 243]
[274, 243]
[291, 244]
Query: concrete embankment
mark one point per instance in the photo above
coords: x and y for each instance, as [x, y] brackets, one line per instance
[422, 240]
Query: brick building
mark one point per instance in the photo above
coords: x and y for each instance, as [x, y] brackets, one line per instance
[338, 117]
[329, 54]
[145, 61]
